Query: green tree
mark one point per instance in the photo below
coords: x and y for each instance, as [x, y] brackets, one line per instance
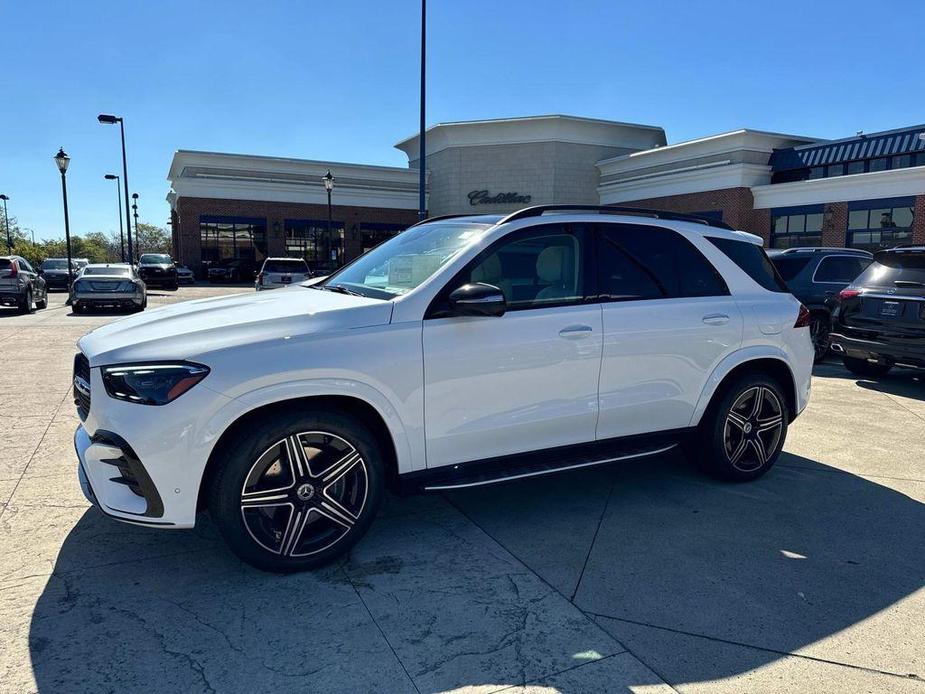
[149, 238]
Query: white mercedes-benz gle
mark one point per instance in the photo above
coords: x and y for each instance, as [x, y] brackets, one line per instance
[465, 351]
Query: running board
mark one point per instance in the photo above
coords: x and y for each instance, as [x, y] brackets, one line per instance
[536, 463]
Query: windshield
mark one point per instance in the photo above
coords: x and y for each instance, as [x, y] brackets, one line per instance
[111, 271]
[55, 264]
[405, 261]
[285, 266]
[155, 258]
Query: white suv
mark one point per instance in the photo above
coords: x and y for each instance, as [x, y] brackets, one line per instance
[465, 351]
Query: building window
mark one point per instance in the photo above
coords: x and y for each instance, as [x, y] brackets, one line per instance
[855, 167]
[232, 238]
[881, 164]
[875, 224]
[374, 233]
[835, 170]
[817, 172]
[796, 226]
[308, 239]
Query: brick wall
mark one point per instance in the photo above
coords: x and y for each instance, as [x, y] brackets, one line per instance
[918, 225]
[188, 210]
[736, 204]
[835, 224]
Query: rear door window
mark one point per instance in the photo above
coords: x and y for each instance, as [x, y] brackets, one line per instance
[285, 266]
[894, 269]
[647, 262]
[840, 269]
[752, 259]
[789, 266]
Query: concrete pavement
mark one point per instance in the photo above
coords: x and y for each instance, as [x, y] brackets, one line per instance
[645, 577]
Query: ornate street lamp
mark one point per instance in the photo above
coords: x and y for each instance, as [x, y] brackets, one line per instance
[113, 177]
[328, 180]
[62, 160]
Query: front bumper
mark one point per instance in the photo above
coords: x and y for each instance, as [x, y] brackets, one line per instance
[879, 350]
[161, 280]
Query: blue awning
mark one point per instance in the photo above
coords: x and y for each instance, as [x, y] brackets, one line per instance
[885, 144]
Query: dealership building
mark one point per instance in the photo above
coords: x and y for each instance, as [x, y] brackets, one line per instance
[865, 191]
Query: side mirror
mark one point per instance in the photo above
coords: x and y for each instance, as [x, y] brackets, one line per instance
[477, 299]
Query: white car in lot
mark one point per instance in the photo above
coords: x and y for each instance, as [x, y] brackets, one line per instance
[281, 272]
[465, 351]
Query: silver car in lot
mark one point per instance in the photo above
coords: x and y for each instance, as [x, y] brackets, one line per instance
[281, 272]
[115, 285]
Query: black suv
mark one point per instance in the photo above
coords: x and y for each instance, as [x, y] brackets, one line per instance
[159, 269]
[815, 276]
[880, 318]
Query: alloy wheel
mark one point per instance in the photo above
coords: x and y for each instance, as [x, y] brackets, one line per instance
[753, 428]
[304, 493]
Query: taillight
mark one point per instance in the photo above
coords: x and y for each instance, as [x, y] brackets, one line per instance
[848, 294]
[259, 278]
[14, 269]
[802, 318]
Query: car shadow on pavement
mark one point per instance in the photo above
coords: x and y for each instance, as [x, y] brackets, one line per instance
[902, 381]
[784, 564]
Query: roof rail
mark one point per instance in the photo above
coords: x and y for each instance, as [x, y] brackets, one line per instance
[439, 217]
[823, 249]
[538, 210]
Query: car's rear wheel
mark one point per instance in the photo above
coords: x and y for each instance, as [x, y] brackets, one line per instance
[819, 333]
[296, 491]
[862, 367]
[744, 431]
[25, 306]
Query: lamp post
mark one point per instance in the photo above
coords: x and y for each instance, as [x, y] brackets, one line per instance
[112, 120]
[113, 177]
[6, 217]
[135, 212]
[62, 160]
[422, 154]
[328, 179]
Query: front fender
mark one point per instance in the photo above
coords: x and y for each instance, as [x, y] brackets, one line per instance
[725, 367]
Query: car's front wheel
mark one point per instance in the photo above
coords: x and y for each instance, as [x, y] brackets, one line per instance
[295, 491]
[742, 435]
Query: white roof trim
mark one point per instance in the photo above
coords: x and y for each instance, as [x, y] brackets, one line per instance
[863, 186]
[697, 179]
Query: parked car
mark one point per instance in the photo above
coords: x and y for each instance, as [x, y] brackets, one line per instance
[281, 272]
[231, 271]
[158, 269]
[879, 321]
[815, 276]
[115, 285]
[185, 275]
[54, 272]
[491, 348]
[20, 285]
[81, 263]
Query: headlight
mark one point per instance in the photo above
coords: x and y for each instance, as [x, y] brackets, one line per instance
[78, 286]
[151, 384]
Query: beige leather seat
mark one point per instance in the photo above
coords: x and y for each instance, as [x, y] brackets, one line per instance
[489, 271]
[555, 266]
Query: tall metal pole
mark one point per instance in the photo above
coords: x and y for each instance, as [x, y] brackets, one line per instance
[6, 217]
[128, 221]
[135, 211]
[422, 156]
[121, 233]
[67, 231]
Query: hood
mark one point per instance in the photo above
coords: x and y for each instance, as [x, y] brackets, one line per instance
[192, 328]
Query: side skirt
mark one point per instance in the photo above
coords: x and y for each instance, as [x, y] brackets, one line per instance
[478, 473]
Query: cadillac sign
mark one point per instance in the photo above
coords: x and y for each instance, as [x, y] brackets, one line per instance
[483, 197]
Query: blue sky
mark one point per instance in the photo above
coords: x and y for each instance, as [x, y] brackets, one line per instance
[338, 79]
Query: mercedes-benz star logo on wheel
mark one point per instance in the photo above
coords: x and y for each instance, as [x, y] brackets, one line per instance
[305, 491]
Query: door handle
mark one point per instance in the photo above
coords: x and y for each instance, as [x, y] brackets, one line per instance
[716, 319]
[574, 332]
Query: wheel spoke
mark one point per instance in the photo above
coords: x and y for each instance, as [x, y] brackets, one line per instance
[293, 532]
[758, 402]
[770, 423]
[256, 499]
[758, 446]
[337, 513]
[737, 453]
[738, 420]
[296, 454]
[341, 468]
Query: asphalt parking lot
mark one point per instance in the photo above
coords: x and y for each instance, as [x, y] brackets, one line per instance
[644, 577]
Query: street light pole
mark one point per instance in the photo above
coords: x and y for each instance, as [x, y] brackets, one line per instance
[135, 211]
[62, 160]
[6, 217]
[328, 179]
[110, 177]
[422, 154]
[112, 120]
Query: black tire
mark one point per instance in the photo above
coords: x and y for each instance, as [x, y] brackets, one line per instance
[25, 306]
[760, 433]
[42, 304]
[819, 326]
[862, 367]
[336, 514]
[173, 287]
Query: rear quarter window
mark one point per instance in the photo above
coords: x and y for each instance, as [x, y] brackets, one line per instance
[789, 267]
[5, 263]
[752, 259]
[890, 268]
